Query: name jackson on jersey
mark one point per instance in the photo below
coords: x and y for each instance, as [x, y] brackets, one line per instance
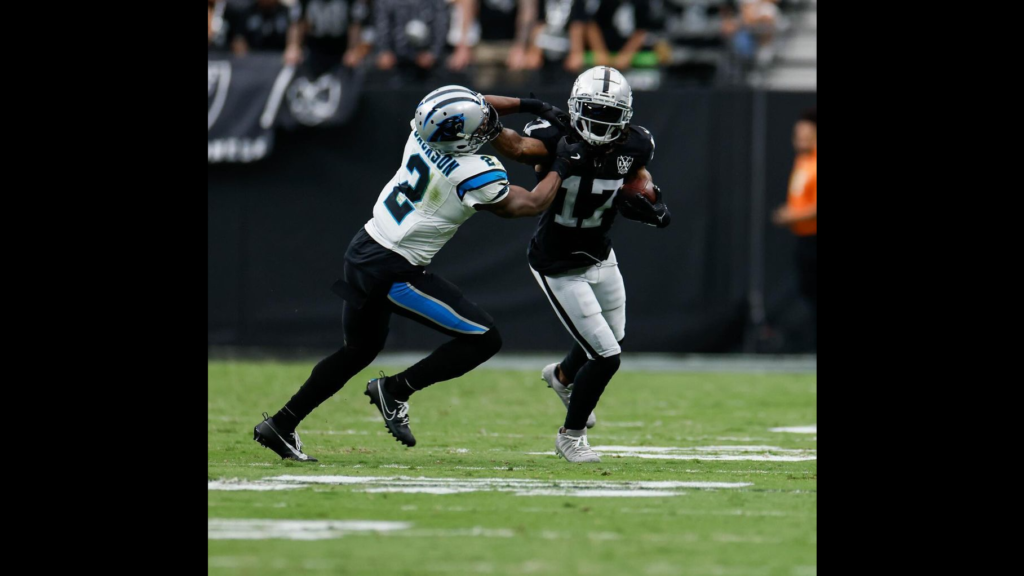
[446, 163]
[573, 232]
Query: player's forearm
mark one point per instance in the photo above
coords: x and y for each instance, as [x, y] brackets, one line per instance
[503, 104]
[523, 203]
[524, 150]
[544, 193]
[508, 143]
[506, 105]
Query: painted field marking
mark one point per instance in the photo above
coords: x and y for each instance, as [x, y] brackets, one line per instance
[235, 484]
[724, 453]
[252, 529]
[812, 429]
[517, 486]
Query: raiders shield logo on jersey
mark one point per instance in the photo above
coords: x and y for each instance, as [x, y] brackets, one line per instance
[624, 163]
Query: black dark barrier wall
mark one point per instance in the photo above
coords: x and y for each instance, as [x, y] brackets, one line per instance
[278, 229]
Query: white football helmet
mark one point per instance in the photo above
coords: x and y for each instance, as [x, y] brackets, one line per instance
[456, 120]
[600, 105]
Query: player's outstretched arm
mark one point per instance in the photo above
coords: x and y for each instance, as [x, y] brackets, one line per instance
[525, 150]
[506, 105]
[519, 202]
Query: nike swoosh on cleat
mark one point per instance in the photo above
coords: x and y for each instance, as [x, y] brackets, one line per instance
[297, 454]
[576, 157]
[388, 414]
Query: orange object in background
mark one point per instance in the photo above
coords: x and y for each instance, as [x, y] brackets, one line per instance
[803, 192]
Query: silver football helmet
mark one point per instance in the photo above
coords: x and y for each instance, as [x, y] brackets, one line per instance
[456, 120]
[600, 105]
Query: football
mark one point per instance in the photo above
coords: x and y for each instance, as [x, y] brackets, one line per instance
[638, 185]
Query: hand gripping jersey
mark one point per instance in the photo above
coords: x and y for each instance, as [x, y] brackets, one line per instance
[423, 205]
[573, 232]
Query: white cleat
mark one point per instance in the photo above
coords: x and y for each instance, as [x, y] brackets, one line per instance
[573, 446]
[563, 391]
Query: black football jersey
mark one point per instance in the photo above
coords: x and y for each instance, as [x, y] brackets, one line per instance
[573, 231]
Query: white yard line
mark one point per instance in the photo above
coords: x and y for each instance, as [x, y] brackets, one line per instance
[753, 453]
[812, 429]
[260, 529]
[517, 486]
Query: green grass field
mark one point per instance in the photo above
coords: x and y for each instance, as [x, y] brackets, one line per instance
[471, 498]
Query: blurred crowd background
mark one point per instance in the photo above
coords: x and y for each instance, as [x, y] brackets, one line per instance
[309, 106]
[486, 42]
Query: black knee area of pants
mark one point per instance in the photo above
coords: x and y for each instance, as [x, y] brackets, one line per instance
[361, 355]
[344, 364]
[601, 371]
[590, 384]
[488, 343]
[608, 366]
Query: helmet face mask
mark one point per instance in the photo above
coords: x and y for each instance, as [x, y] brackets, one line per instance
[456, 120]
[489, 129]
[601, 105]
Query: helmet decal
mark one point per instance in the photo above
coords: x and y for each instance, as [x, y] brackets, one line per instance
[449, 130]
[455, 120]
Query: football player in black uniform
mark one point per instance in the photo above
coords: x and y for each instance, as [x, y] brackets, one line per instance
[571, 254]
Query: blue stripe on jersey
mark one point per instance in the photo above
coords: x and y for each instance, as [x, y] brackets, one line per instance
[405, 295]
[481, 180]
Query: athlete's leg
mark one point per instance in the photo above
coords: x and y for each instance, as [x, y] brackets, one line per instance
[571, 364]
[577, 306]
[611, 297]
[440, 305]
[366, 330]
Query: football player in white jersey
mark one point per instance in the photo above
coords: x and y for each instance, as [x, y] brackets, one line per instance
[441, 183]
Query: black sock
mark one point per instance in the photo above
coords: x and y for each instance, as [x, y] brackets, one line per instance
[451, 360]
[587, 389]
[285, 420]
[572, 363]
[399, 387]
[327, 377]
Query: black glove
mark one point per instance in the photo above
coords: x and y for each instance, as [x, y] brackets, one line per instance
[569, 157]
[641, 209]
[556, 116]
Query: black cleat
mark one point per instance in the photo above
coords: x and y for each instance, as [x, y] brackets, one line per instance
[395, 413]
[287, 445]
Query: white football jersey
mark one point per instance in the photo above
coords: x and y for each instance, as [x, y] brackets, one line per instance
[423, 205]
